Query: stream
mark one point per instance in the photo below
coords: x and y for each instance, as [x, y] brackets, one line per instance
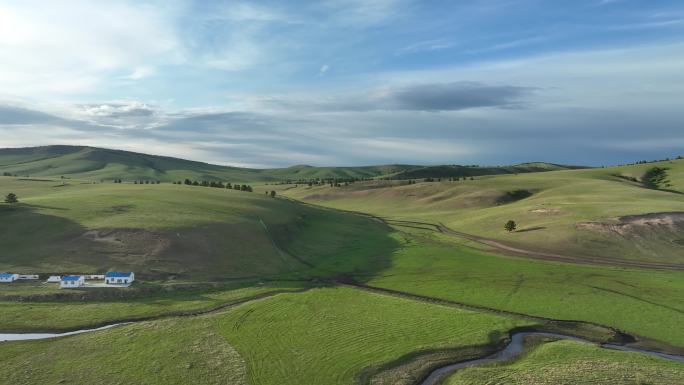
[41, 336]
[516, 348]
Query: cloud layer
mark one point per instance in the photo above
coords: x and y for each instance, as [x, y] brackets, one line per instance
[347, 82]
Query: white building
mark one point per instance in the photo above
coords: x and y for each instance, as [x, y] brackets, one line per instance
[71, 281]
[28, 276]
[8, 277]
[54, 279]
[119, 278]
[95, 276]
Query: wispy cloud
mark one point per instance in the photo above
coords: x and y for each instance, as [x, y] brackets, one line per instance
[346, 82]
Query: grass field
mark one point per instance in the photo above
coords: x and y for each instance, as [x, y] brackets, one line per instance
[569, 362]
[69, 315]
[166, 230]
[574, 212]
[236, 246]
[147, 353]
[642, 302]
[78, 162]
[323, 336]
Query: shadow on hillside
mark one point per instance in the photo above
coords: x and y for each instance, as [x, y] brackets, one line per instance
[35, 206]
[29, 239]
[530, 229]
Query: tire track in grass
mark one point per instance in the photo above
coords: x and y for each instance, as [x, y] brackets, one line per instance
[280, 251]
[503, 248]
[616, 292]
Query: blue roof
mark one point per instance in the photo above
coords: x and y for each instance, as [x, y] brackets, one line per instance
[71, 278]
[117, 274]
[6, 275]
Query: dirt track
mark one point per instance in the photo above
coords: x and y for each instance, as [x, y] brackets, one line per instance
[505, 249]
[516, 251]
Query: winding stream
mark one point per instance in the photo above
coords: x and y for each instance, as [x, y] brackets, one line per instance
[516, 347]
[41, 336]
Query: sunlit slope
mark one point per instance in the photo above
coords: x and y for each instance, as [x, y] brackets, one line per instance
[569, 362]
[324, 336]
[178, 231]
[594, 212]
[105, 164]
[101, 164]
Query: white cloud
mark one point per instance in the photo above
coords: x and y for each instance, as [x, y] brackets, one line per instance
[61, 47]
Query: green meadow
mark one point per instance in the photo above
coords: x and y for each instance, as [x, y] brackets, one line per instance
[242, 288]
[570, 212]
[65, 315]
[180, 232]
[323, 336]
[641, 302]
[569, 362]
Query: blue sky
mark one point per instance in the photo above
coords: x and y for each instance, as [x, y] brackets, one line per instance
[351, 82]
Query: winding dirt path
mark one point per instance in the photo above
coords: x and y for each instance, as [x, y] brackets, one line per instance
[504, 248]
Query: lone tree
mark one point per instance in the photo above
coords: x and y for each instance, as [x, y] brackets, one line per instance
[656, 178]
[273, 194]
[11, 198]
[510, 226]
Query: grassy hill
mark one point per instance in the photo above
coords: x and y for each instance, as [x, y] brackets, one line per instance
[589, 213]
[167, 230]
[570, 362]
[90, 163]
[457, 171]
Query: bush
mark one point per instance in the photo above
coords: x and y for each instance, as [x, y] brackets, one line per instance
[656, 178]
[510, 226]
[11, 198]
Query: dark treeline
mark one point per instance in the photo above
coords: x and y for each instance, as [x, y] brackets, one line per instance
[652, 161]
[333, 182]
[219, 184]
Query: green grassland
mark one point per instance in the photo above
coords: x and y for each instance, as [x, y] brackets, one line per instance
[65, 315]
[96, 164]
[641, 302]
[569, 362]
[172, 351]
[323, 336]
[91, 163]
[266, 250]
[165, 231]
[570, 212]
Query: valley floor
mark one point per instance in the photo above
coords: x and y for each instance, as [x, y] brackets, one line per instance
[345, 299]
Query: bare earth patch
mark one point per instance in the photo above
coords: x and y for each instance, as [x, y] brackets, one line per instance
[636, 225]
[549, 211]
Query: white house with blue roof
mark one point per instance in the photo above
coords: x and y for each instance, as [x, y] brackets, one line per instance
[8, 277]
[119, 278]
[72, 281]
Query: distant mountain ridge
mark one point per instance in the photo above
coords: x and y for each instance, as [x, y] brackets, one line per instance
[84, 162]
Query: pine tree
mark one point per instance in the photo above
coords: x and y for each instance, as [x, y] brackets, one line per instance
[510, 226]
[11, 198]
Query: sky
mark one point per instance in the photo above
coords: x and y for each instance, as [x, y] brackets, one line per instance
[348, 82]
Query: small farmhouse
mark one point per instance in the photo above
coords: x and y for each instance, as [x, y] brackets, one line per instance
[28, 276]
[119, 278]
[94, 276]
[71, 281]
[54, 278]
[8, 277]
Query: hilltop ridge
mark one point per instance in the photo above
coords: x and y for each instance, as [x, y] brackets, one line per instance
[85, 162]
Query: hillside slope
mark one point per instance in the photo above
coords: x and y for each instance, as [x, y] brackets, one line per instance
[453, 171]
[606, 213]
[170, 231]
[78, 162]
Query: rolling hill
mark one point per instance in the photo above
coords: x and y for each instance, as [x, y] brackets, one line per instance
[167, 231]
[586, 214]
[79, 162]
